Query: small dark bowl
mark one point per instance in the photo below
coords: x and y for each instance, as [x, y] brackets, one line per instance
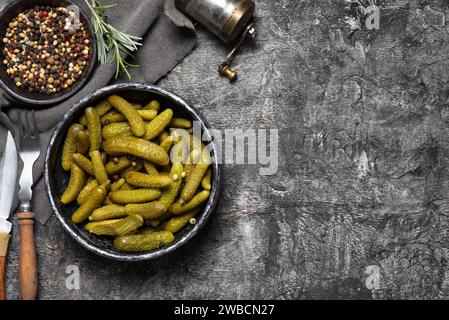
[56, 180]
[34, 99]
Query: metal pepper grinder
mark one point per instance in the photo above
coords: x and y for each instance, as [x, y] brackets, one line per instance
[227, 19]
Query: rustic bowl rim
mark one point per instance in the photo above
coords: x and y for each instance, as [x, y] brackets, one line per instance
[17, 97]
[74, 231]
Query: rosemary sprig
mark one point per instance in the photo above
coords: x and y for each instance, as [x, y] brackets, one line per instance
[109, 38]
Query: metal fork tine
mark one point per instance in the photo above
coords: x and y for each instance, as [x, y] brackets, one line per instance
[28, 125]
[21, 124]
[34, 130]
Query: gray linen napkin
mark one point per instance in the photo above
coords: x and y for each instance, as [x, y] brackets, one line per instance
[164, 46]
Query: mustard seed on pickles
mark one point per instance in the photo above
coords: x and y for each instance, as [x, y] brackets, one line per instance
[196, 177]
[177, 223]
[136, 165]
[198, 199]
[118, 164]
[170, 193]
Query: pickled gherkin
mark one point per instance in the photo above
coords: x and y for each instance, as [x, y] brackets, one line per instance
[115, 227]
[70, 146]
[198, 199]
[116, 117]
[136, 165]
[170, 193]
[206, 182]
[158, 125]
[196, 177]
[117, 185]
[112, 211]
[180, 123]
[153, 105]
[121, 129]
[135, 196]
[167, 144]
[112, 117]
[164, 135]
[76, 184]
[84, 163]
[136, 175]
[137, 147]
[98, 167]
[143, 180]
[103, 107]
[94, 129]
[117, 164]
[130, 113]
[151, 210]
[150, 168]
[143, 242]
[93, 202]
[86, 191]
[83, 142]
[177, 223]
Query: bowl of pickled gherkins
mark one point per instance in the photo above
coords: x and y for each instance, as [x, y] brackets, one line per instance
[131, 172]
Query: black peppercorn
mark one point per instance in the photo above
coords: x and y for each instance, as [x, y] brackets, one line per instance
[40, 55]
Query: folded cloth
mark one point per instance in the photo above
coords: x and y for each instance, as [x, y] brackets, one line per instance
[164, 46]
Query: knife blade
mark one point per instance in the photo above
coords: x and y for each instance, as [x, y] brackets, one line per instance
[8, 177]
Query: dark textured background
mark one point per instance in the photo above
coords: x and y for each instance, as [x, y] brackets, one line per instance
[363, 178]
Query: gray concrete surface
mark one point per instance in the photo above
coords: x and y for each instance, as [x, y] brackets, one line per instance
[363, 172]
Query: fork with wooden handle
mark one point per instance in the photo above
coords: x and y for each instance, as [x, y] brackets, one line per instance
[29, 151]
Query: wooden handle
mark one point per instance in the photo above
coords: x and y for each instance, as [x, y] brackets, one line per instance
[4, 241]
[27, 260]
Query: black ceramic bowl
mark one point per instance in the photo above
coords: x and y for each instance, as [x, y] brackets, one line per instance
[56, 179]
[21, 95]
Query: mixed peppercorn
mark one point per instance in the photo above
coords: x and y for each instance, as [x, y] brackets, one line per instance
[46, 50]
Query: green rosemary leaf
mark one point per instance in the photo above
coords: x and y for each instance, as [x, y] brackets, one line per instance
[110, 38]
